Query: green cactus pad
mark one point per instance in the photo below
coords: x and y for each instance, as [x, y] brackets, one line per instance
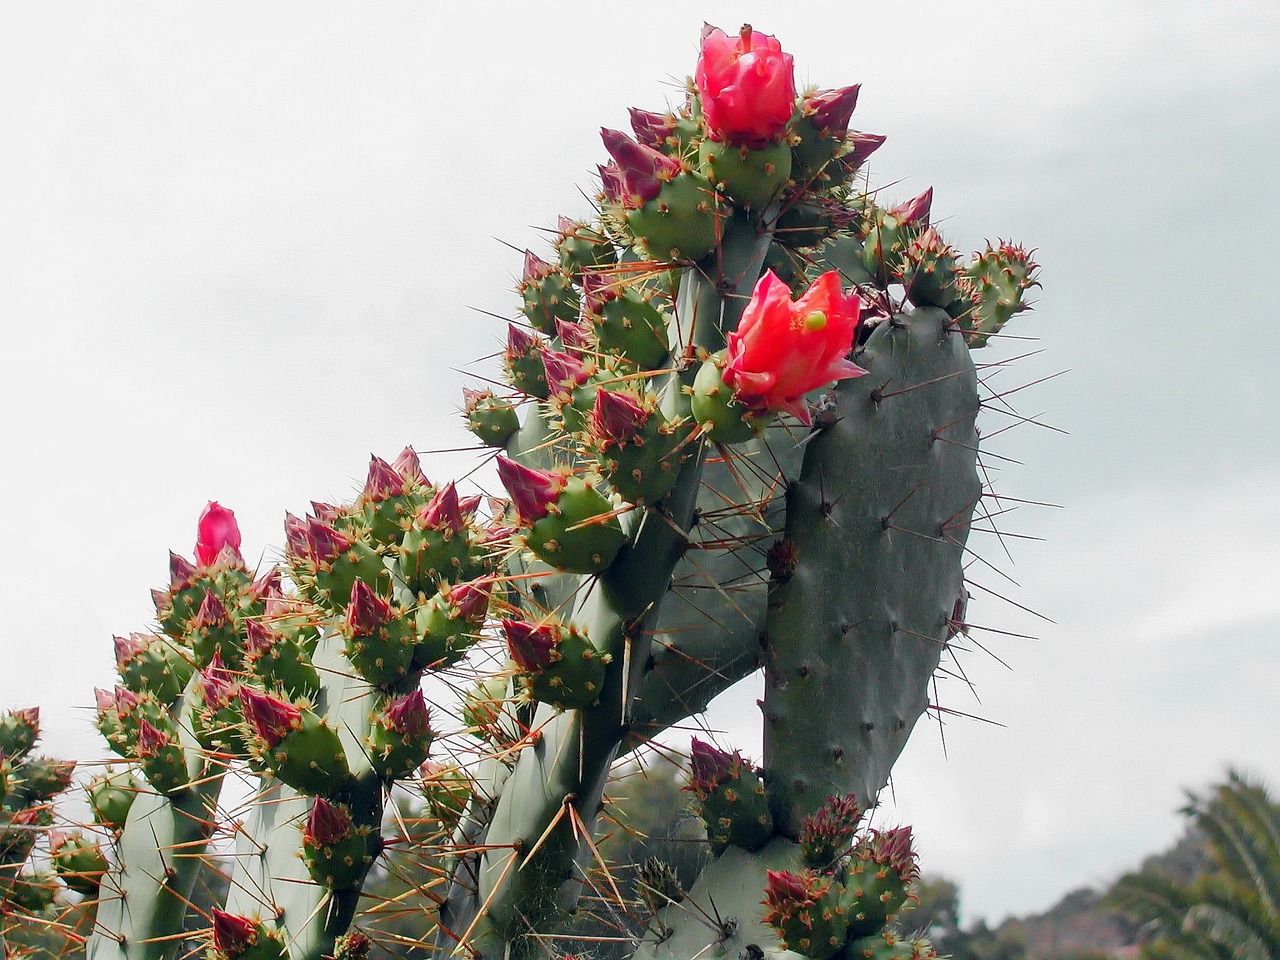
[722, 417]
[682, 222]
[571, 538]
[631, 327]
[752, 178]
[310, 759]
[111, 796]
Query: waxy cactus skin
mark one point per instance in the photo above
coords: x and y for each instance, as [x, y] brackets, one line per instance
[738, 433]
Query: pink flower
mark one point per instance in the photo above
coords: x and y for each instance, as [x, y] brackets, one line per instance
[747, 87]
[782, 348]
[217, 529]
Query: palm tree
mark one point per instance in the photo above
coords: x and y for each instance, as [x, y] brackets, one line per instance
[1231, 912]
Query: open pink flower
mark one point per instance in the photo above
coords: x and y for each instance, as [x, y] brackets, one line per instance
[747, 87]
[784, 348]
[218, 529]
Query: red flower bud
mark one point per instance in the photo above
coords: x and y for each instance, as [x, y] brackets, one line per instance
[181, 570]
[295, 536]
[408, 715]
[535, 268]
[643, 169]
[830, 110]
[467, 506]
[218, 686]
[217, 529]
[409, 467]
[651, 129]
[746, 85]
[324, 543]
[211, 615]
[617, 416]
[564, 371]
[532, 646]
[710, 766]
[272, 718]
[444, 512]
[232, 934]
[384, 481]
[126, 650]
[471, 599]
[861, 146]
[915, 210]
[532, 491]
[367, 611]
[521, 343]
[327, 823]
[268, 585]
[576, 337]
[151, 740]
[598, 289]
[611, 184]
[782, 348]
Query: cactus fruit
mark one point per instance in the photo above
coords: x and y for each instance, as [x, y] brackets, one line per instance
[739, 434]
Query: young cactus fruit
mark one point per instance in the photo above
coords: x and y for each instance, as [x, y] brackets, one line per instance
[731, 797]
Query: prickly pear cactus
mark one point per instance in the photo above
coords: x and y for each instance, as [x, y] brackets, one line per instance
[738, 432]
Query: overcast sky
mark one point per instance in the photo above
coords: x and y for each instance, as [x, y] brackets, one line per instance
[245, 245]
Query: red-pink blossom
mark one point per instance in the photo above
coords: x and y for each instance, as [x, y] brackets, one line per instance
[784, 348]
[746, 85]
[217, 529]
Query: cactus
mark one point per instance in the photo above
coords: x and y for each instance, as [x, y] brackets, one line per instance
[739, 434]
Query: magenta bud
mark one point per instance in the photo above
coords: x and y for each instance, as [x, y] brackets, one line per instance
[327, 823]
[267, 586]
[650, 128]
[105, 700]
[597, 290]
[408, 715]
[126, 650]
[259, 638]
[576, 337]
[830, 110]
[272, 718]
[473, 398]
[471, 599]
[564, 371]
[217, 529]
[643, 169]
[535, 268]
[444, 511]
[915, 210]
[218, 687]
[532, 646]
[150, 739]
[295, 536]
[324, 543]
[232, 934]
[367, 611]
[325, 511]
[709, 765]
[468, 506]
[181, 570]
[409, 467]
[499, 535]
[520, 343]
[611, 184]
[617, 416]
[861, 146]
[384, 481]
[211, 614]
[532, 491]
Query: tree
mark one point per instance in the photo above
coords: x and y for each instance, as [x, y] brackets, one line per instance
[1231, 912]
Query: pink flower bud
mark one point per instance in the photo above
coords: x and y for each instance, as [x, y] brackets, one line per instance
[217, 529]
[597, 290]
[232, 934]
[105, 700]
[710, 766]
[218, 686]
[915, 210]
[782, 348]
[746, 85]
[383, 481]
[521, 343]
[535, 268]
[576, 337]
[532, 491]
[126, 650]
[651, 129]
[785, 891]
[295, 536]
[150, 739]
[325, 511]
[324, 543]
[611, 184]
[444, 511]
[271, 717]
[181, 571]
[471, 599]
[643, 169]
[564, 371]
[617, 416]
[327, 823]
[831, 110]
[367, 611]
[861, 146]
[408, 715]
[267, 586]
[409, 467]
[468, 506]
[211, 615]
[532, 646]
[259, 639]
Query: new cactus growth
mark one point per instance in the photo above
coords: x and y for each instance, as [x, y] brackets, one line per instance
[740, 434]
